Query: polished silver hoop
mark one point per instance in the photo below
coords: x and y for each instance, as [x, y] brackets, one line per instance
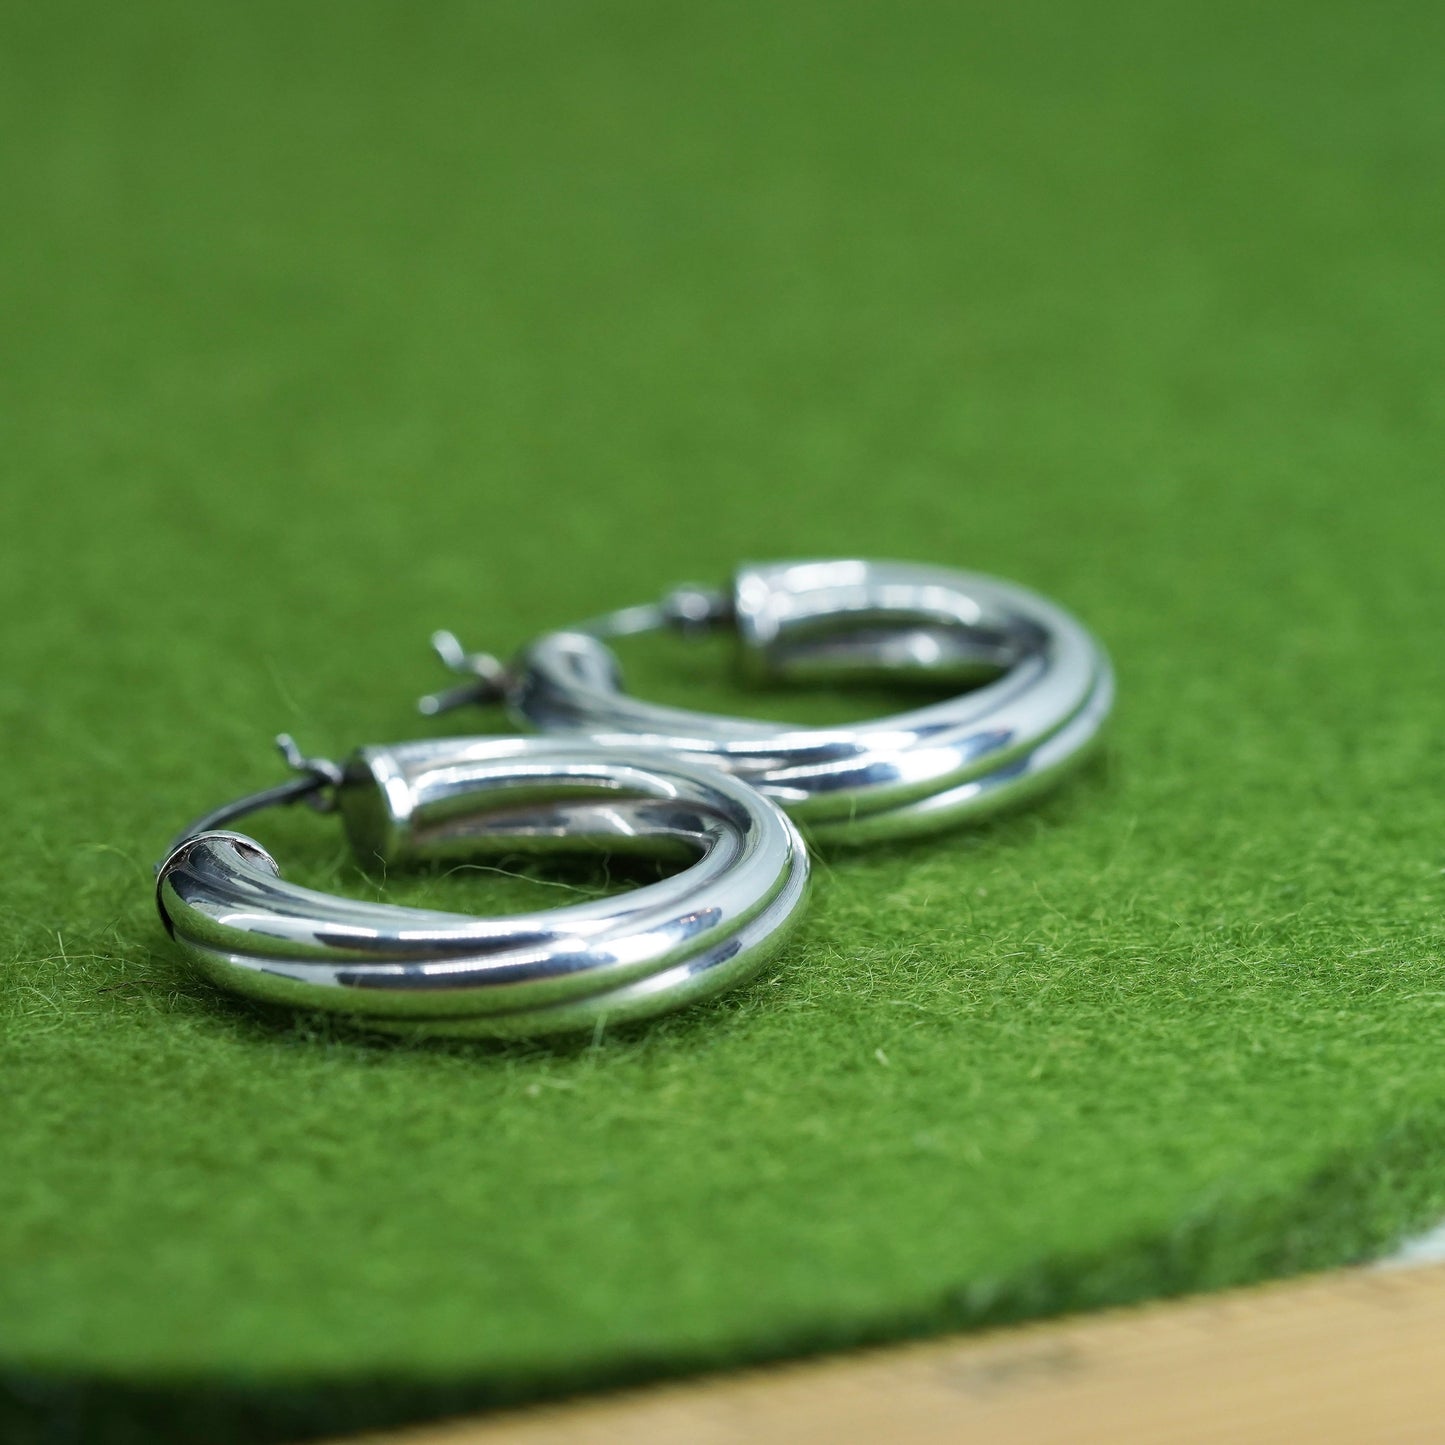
[664, 945]
[1039, 690]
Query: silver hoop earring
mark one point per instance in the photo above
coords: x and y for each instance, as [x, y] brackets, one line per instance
[1042, 687]
[666, 944]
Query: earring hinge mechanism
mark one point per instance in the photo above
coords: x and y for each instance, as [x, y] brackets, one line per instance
[689, 610]
[315, 784]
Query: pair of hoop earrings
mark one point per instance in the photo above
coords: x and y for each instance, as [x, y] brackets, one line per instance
[729, 795]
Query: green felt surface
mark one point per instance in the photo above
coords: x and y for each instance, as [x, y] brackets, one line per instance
[322, 326]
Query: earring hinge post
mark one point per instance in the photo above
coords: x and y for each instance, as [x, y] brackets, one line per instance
[315, 781]
[486, 677]
[688, 610]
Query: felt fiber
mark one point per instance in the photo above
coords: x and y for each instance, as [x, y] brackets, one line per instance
[327, 325]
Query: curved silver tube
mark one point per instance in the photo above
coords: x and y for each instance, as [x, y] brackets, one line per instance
[221, 896]
[1041, 689]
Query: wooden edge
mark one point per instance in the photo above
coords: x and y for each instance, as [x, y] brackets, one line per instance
[1356, 1356]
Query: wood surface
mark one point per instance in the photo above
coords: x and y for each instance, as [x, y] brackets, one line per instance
[1356, 1356]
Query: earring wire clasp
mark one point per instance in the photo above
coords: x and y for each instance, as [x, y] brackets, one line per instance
[315, 784]
[486, 677]
[690, 610]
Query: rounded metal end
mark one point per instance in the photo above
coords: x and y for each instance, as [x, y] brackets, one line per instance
[189, 850]
[375, 805]
[247, 847]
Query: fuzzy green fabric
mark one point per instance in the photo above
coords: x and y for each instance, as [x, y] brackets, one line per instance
[325, 325]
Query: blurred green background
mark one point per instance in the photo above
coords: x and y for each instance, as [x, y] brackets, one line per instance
[325, 325]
